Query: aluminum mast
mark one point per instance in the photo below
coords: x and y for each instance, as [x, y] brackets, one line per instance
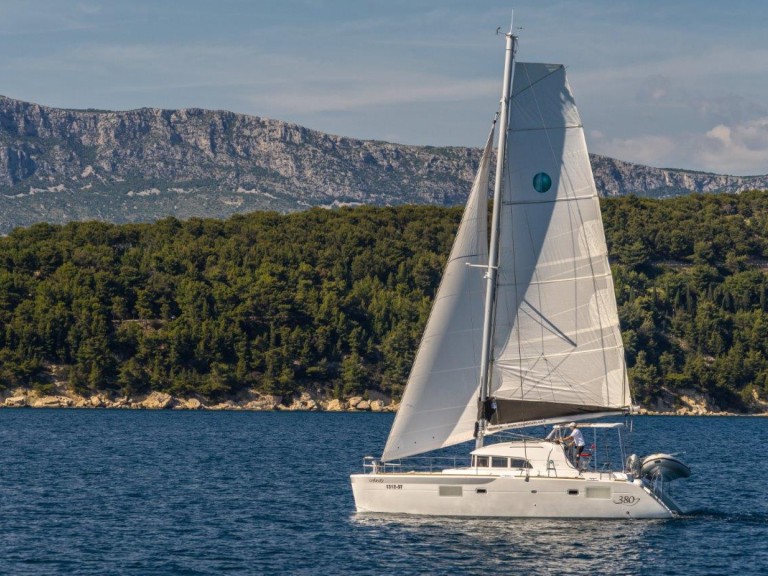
[493, 257]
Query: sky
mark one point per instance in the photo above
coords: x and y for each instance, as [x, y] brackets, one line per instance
[668, 83]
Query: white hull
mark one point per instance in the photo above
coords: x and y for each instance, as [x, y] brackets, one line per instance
[588, 496]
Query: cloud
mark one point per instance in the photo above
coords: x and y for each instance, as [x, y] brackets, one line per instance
[729, 108]
[741, 147]
[653, 150]
[666, 120]
[738, 148]
[90, 8]
[655, 88]
[386, 90]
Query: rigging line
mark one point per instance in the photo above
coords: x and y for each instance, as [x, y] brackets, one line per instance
[553, 368]
[560, 201]
[572, 229]
[538, 283]
[532, 242]
[594, 199]
[543, 380]
[545, 323]
[567, 189]
[462, 257]
[602, 276]
[571, 384]
[514, 317]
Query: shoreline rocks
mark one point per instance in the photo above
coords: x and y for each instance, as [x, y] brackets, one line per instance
[690, 403]
[250, 401]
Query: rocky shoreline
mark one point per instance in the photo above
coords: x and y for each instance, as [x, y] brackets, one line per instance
[686, 403]
[254, 401]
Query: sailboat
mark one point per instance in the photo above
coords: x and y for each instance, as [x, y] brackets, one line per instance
[524, 332]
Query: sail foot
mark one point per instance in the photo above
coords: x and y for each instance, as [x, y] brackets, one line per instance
[498, 411]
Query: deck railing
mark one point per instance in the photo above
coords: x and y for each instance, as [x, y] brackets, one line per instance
[423, 464]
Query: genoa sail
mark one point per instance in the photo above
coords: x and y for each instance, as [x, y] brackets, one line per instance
[557, 348]
[438, 406]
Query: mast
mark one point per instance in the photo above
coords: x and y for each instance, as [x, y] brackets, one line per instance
[493, 257]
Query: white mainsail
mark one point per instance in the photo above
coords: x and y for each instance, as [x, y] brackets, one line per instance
[439, 406]
[557, 346]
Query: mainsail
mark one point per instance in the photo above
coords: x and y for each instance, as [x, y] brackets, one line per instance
[439, 404]
[557, 346]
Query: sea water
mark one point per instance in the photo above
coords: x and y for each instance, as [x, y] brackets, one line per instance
[140, 492]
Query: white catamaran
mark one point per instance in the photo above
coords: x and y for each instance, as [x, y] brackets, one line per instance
[524, 333]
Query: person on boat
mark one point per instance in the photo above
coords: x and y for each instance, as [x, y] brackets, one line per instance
[577, 439]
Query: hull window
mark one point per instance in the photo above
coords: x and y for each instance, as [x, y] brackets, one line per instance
[598, 492]
[450, 491]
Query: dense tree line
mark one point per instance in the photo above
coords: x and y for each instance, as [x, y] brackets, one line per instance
[692, 289]
[210, 307]
[276, 302]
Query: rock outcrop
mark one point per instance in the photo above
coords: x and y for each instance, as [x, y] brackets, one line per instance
[141, 165]
[335, 406]
[51, 402]
[155, 401]
[263, 402]
[616, 178]
[15, 402]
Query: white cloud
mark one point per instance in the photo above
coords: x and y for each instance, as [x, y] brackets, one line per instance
[742, 148]
[388, 91]
[738, 148]
[655, 88]
[654, 150]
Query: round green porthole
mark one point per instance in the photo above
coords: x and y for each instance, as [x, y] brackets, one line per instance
[542, 182]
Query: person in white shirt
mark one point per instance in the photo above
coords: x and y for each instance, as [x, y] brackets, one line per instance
[577, 439]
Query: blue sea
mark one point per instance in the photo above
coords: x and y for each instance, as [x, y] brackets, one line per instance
[140, 492]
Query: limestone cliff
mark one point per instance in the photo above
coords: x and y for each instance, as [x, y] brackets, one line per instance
[58, 165]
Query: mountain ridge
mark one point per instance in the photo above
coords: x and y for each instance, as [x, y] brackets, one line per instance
[58, 165]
